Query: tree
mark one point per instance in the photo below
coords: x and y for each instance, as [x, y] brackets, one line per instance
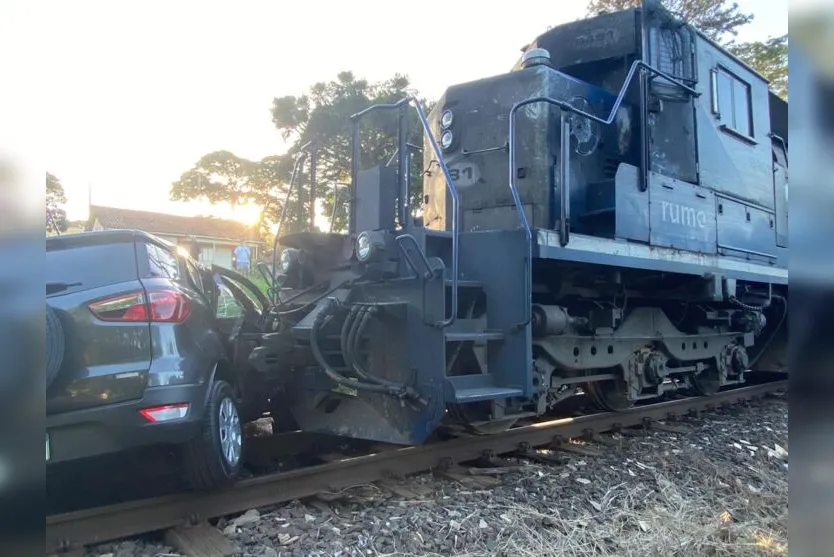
[55, 197]
[220, 176]
[223, 177]
[715, 18]
[323, 116]
[720, 21]
[769, 58]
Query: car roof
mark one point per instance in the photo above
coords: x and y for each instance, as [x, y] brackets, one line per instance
[101, 237]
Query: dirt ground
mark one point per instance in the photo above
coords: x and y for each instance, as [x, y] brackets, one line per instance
[717, 487]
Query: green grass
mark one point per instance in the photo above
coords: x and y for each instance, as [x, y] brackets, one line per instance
[228, 307]
[258, 280]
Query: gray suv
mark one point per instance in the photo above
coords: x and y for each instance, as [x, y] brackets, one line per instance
[144, 346]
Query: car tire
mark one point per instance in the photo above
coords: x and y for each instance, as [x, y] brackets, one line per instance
[214, 458]
[54, 345]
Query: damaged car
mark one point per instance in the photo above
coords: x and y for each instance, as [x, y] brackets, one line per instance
[147, 347]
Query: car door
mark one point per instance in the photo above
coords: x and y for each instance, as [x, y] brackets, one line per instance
[240, 309]
[244, 290]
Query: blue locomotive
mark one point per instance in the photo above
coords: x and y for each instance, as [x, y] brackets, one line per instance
[608, 218]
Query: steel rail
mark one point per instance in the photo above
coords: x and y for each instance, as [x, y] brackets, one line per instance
[102, 524]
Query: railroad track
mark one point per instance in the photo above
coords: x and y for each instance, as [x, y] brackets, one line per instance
[96, 525]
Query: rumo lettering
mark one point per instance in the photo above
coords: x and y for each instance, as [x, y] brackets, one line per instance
[684, 215]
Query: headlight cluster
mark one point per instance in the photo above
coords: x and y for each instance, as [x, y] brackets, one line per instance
[289, 260]
[370, 245]
[363, 247]
[446, 135]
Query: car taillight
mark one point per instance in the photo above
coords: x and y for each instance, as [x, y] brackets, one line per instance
[157, 306]
[127, 307]
[165, 413]
[169, 306]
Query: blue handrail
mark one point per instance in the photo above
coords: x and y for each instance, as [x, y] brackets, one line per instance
[450, 186]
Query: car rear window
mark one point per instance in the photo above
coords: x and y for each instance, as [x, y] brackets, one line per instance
[77, 266]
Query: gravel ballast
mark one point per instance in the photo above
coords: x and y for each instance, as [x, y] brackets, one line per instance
[719, 486]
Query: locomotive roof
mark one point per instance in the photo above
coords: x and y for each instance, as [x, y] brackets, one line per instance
[700, 34]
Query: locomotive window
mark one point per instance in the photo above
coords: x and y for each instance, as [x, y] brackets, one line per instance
[731, 102]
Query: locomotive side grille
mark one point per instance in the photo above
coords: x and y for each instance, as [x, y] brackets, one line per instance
[672, 51]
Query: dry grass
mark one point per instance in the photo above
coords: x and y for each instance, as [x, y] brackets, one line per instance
[715, 489]
[675, 515]
[689, 504]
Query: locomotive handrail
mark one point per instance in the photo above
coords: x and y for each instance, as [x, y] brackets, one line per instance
[335, 205]
[298, 160]
[564, 166]
[450, 186]
[397, 152]
[783, 142]
[429, 272]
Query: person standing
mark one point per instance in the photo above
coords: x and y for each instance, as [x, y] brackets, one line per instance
[242, 259]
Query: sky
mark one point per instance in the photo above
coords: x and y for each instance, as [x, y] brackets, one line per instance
[134, 93]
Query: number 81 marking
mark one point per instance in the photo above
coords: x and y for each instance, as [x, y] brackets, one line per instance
[466, 171]
[465, 175]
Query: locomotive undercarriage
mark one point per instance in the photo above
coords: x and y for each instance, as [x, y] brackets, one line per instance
[371, 360]
[621, 352]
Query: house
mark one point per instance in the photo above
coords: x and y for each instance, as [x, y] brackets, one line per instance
[215, 238]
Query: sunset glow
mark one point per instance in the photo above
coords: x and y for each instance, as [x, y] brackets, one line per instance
[247, 214]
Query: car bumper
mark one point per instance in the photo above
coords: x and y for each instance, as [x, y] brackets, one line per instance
[120, 427]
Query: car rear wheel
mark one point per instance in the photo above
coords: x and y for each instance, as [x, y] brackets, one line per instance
[215, 457]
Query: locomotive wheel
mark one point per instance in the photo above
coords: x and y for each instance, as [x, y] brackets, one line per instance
[705, 383]
[609, 396]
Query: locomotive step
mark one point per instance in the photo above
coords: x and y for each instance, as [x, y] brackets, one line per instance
[466, 283]
[467, 329]
[476, 336]
[475, 388]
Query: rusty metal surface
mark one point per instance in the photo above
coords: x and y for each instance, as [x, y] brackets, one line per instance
[102, 524]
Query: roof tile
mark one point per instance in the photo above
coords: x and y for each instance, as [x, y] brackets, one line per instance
[163, 223]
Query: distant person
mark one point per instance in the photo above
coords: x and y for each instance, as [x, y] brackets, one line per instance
[242, 259]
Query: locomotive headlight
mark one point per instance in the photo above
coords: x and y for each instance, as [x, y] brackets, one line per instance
[446, 119]
[364, 247]
[369, 246]
[446, 139]
[289, 259]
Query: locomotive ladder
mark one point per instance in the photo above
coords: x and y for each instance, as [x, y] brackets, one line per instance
[404, 209]
[505, 344]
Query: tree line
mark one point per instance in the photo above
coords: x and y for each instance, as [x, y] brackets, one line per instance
[322, 115]
[56, 215]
